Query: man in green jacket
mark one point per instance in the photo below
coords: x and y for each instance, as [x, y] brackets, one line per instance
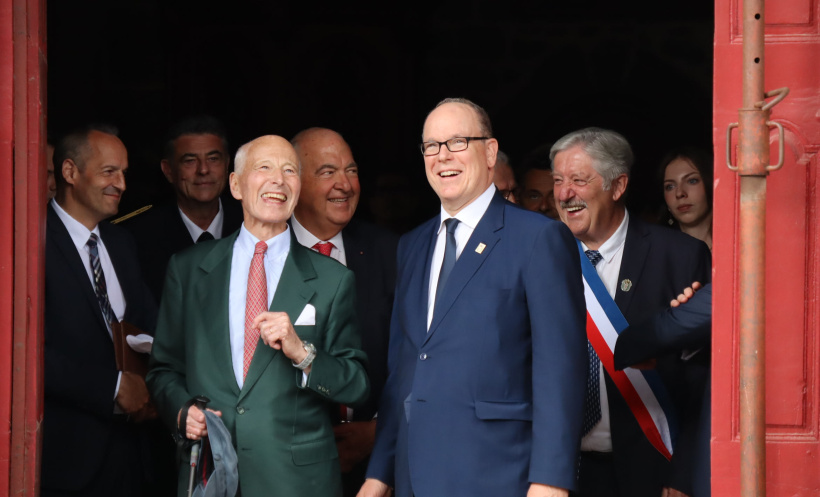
[266, 329]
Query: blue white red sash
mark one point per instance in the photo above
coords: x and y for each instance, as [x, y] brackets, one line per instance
[642, 389]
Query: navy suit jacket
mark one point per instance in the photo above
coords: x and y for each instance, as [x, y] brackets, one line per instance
[161, 233]
[688, 327]
[491, 397]
[659, 262]
[80, 370]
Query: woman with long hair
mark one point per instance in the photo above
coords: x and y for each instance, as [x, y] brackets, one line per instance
[687, 189]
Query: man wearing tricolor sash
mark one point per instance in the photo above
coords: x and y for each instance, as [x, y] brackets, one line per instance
[631, 270]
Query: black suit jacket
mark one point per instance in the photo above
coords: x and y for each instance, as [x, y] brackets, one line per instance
[80, 370]
[371, 255]
[688, 327]
[659, 262]
[160, 233]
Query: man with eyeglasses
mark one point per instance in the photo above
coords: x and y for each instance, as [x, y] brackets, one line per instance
[487, 356]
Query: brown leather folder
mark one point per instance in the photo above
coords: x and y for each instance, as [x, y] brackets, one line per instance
[128, 359]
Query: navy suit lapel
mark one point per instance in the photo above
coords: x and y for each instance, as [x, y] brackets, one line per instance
[58, 235]
[291, 296]
[213, 293]
[471, 259]
[416, 273]
[636, 251]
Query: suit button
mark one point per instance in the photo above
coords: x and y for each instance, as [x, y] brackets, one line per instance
[240, 410]
[423, 356]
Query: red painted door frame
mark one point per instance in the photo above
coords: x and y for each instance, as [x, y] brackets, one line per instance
[22, 236]
[791, 58]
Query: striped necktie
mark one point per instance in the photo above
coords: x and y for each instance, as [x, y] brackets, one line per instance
[100, 288]
[592, 402]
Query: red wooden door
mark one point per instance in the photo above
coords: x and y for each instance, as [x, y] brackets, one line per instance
[792, 59]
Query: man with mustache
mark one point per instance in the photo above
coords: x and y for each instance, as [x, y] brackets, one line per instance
[323, 220]
[266, 329]
[195, 162]
[91, 444]
[632, 271]
[487, 353]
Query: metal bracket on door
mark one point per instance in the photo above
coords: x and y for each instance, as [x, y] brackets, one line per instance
[763, 106]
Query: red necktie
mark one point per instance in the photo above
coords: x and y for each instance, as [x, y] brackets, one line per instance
[256, 303]
[323, 248]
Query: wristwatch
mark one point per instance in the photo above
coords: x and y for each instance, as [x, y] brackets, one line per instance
[308, 360]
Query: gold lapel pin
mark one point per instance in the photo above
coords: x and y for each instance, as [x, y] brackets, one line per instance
[626, 285]
[480, 248]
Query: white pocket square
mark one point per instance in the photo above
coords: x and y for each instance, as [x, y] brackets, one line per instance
[308, 316]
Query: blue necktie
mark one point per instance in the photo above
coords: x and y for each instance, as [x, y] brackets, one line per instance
[592, 402]
[449, 258]
[100, 288]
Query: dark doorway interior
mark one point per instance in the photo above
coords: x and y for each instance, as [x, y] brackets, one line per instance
[541, 69]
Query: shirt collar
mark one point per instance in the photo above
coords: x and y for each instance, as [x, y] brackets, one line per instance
[308, 239]
[214, 229]
[472, 213]
[277, 246]
[77, 231]
[615, 243]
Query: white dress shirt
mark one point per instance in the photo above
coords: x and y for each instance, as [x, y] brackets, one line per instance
[308, 239]
[215, 228]
[599, 439]
[243, 249]
[79, 235]
[468, 218]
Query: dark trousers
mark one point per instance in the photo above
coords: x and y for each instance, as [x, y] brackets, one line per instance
[596, 475]
[121, 474]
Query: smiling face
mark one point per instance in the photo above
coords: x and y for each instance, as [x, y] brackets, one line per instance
[591, 213]
[97, 183]
[198, 169]
[685, 193]
[330, 183]
[267, 183]
[458, 178]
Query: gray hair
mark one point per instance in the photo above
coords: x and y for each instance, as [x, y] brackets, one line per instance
[481, 114]
[502, 157]
[610, 152]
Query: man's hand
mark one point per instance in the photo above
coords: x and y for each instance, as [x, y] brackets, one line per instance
[671, 492]
[374, 488]
[354, 442]
[147, 413]
[133, 394]
[195, 426]
[687, 294]
[540, 490]
[277, 332]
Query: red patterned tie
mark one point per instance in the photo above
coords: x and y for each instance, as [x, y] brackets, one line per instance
[255, 304]
[323, 248]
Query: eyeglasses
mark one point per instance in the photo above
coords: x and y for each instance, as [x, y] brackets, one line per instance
[456, 144]
[514, 193]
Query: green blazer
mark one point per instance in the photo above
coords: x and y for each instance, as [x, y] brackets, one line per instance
[282, 431]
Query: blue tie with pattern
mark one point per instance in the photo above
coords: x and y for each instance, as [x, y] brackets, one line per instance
[449, 258]
[99, 280]
[592, 402]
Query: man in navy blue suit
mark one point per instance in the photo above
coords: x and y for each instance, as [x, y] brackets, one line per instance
[487, 353]
[639, 268]
[683, 329]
